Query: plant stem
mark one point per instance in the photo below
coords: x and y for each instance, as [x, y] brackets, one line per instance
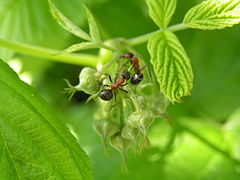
[50, 54]
[76, 58]
[144, 38]
[107, 47]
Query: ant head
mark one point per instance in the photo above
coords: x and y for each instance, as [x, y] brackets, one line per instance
[137, 78]
[106, 94]
[128, 55]
[126, 75]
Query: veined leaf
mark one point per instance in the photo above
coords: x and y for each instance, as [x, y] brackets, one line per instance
[161, 11]
[34, 144]
[67, 24]
[80, 46]
[171, 65]
[94, 32]
[214, 14]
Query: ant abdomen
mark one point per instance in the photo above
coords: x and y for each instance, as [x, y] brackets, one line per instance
[106, 94]
[137, 78]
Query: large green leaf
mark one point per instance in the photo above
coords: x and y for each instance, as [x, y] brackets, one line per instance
[31, 22]
[214, 14]
[34, 144]
[171, 65]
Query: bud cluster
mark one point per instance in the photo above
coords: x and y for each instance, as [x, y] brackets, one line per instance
[127, 106]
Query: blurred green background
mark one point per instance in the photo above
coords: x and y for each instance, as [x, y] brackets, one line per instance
[204, 142]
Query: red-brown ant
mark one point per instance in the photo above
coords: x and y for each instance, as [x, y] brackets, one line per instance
[138, 76]
[107, 94]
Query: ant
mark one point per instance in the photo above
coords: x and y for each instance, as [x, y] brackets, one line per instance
[138, 76]
[107, 94]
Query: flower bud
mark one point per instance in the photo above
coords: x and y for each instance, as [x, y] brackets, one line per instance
[142, 121]
[122, 145]
[131, 133]
[89, 81]
[106, 110]
[105, 130]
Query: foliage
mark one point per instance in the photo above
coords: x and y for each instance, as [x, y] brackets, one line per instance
[214, 14]
[34, 144]
[171, 65]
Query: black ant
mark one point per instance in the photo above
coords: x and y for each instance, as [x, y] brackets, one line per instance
[107, 94]
[138, 76]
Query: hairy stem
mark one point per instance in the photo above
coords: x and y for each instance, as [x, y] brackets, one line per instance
[144, 38]
[76, 58]
[50, 54]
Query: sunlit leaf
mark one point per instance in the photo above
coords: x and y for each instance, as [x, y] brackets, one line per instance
[34, 144]
[171, 65]
[161, 11]
[66, 23]
[214, 14]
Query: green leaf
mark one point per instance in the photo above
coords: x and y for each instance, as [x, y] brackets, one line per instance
[93, 28]
[34, 144]
[214, 14]
[161, 11]
[171, 65]
[80, 46]
[66, 23]
[31, 22]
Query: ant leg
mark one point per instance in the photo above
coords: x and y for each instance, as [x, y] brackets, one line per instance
[105, 85]
[124, 84]
[110, 78]
[142, 68]
[125, 64]
[123, 90]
